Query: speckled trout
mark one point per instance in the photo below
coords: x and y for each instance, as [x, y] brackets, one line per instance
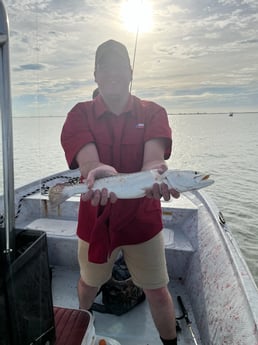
[134, 185]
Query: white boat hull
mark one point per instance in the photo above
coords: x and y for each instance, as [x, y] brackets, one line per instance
[205, 266]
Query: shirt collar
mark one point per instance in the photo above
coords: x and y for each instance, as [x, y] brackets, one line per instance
[101, 108]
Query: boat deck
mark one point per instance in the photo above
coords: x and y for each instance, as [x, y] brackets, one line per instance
[134, 327]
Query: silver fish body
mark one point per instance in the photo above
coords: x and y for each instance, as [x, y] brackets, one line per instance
[134, 185]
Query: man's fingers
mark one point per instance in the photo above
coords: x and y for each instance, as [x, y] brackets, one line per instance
[156, 191]
[165, 191]
[113, 197]
[95, 200]
[162, 190]
[99, 197]
[87, 196]
[174, 193]
[104, 197]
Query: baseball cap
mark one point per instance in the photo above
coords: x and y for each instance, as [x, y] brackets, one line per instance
[111, 47]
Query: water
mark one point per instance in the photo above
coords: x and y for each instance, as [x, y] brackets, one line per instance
[226, 147]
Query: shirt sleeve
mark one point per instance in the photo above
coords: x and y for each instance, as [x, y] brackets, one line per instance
[75, 134]
[158, 127]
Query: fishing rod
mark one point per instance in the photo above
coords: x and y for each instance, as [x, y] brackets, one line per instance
[134, 53]
[185, 316]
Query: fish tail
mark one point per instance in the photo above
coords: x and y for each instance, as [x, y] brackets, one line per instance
[57, 195]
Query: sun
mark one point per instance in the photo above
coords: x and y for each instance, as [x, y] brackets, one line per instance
[137, 15]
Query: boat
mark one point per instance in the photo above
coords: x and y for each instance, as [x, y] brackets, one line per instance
[231, 114]
[206, 268]
[215, 296]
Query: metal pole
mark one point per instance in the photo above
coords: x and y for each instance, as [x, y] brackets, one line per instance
[7, 136]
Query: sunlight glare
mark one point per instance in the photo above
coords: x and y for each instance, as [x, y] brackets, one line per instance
[137, 15]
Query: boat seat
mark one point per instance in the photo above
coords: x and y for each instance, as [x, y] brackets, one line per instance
[62, 239]
[72, 325]
[176, 240]
[56, 227]
[179, 250]
[75, 327]
[63, 233]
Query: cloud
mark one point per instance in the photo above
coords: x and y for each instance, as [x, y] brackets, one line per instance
[31, 66]
[194, 45]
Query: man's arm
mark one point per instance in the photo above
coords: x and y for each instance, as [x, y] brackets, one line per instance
[91, 168]
[154, 155]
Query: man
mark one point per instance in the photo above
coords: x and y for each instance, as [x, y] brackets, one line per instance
[118, 132]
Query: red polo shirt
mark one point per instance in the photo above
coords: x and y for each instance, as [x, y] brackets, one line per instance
[120, 142]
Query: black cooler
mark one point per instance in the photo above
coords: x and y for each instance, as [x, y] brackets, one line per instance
[26, 307]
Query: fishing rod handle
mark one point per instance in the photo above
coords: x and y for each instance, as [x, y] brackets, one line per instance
[181, 304]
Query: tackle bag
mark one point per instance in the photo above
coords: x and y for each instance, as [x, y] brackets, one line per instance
[119, 293]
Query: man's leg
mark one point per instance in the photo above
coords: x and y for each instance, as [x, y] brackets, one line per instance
[86, 294]
[147, 265]
[162, 310]
[92, 275]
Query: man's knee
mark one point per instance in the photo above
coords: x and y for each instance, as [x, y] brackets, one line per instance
[159, 295]
[85, 286]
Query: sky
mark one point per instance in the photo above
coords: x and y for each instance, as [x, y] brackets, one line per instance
[198, 56]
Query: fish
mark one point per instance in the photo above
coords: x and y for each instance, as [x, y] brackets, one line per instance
[133, 185]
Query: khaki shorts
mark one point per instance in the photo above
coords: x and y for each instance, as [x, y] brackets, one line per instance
[146, 262]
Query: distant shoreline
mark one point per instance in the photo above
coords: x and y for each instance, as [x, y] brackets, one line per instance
[169, 113]
[215, 113]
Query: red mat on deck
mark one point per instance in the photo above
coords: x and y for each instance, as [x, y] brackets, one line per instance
[71, 325]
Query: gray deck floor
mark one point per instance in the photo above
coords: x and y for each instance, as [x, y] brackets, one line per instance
[133, 328]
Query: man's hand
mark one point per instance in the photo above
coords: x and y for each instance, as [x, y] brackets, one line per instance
[103, 170]
[161, 190]
[99, 197]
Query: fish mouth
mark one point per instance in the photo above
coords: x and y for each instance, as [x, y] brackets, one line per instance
[201, 177]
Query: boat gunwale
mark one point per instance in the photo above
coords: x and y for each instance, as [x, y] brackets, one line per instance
[241, 269]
